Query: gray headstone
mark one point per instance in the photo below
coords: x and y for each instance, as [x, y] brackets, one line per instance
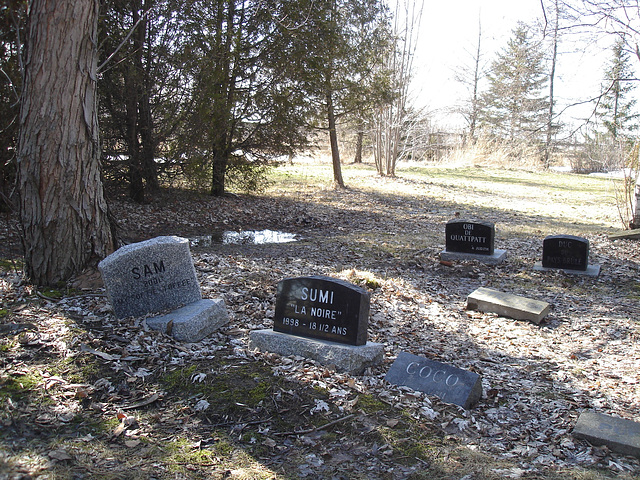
[449, 384]
[619, 434]
[507, 305]
[322, 307]
[150, 276]
[353, 359]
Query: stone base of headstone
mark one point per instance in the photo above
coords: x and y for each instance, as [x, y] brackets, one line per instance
[497, 257]
[507, 305]
[346, 358]
[619, 434]
[193, 322]
[591, 271]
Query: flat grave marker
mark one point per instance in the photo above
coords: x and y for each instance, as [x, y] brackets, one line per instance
[569, 253]
[508, 305]
[322, 307]
[619, 434]
[449, 384]
[469, 240]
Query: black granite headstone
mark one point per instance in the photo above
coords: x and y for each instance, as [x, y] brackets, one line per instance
[322, 307]
[449, 384]
[565, 252]
[463, 236]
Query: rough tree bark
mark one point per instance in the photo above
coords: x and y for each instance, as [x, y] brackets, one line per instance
[62, 207]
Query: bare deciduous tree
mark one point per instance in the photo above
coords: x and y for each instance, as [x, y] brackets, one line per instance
[391, 119]
[469, 76]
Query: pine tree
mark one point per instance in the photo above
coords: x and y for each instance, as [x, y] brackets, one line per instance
[515, 106]
[616, 109]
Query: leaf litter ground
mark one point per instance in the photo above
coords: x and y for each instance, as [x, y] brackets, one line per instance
[83, 395]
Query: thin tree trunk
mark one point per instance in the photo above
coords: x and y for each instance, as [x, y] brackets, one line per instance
[136, 185]
[224, 78]
[552, 75]
[62, 207]
[145, 119]
[333, 140]
[218, 173]
[476, 80]
[359, 141]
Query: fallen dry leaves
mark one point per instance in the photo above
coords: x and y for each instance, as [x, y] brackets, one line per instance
[536, 379]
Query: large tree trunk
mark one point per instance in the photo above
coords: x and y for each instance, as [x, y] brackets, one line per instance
[62, 206]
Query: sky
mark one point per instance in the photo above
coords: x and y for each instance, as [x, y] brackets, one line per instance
[448, 39]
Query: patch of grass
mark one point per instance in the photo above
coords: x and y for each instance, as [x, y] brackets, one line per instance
[9, 264]
[364, 278]
[58, 293]
[227, 390]
[370, 404]
[18, 387]
[183, 451]
[183, 457]
[77, 369]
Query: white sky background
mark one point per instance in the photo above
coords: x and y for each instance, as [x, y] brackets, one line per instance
[448, 40]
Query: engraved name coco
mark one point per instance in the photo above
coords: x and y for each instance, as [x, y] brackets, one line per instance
[426, 372]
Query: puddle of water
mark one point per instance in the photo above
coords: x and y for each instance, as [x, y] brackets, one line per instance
[247, 237]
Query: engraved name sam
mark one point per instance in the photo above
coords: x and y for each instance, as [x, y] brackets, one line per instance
[148, 270]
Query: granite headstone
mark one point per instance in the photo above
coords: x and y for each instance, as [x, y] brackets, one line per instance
[565, 252]
[150, 276]
[464, 236]
[449, 384]
[323, 308]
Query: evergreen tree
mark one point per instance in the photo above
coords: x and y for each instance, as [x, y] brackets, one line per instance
[515, 105]
[12, 20]
[125, 90]
[245, 109]
[616, 109]
[338, 53]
